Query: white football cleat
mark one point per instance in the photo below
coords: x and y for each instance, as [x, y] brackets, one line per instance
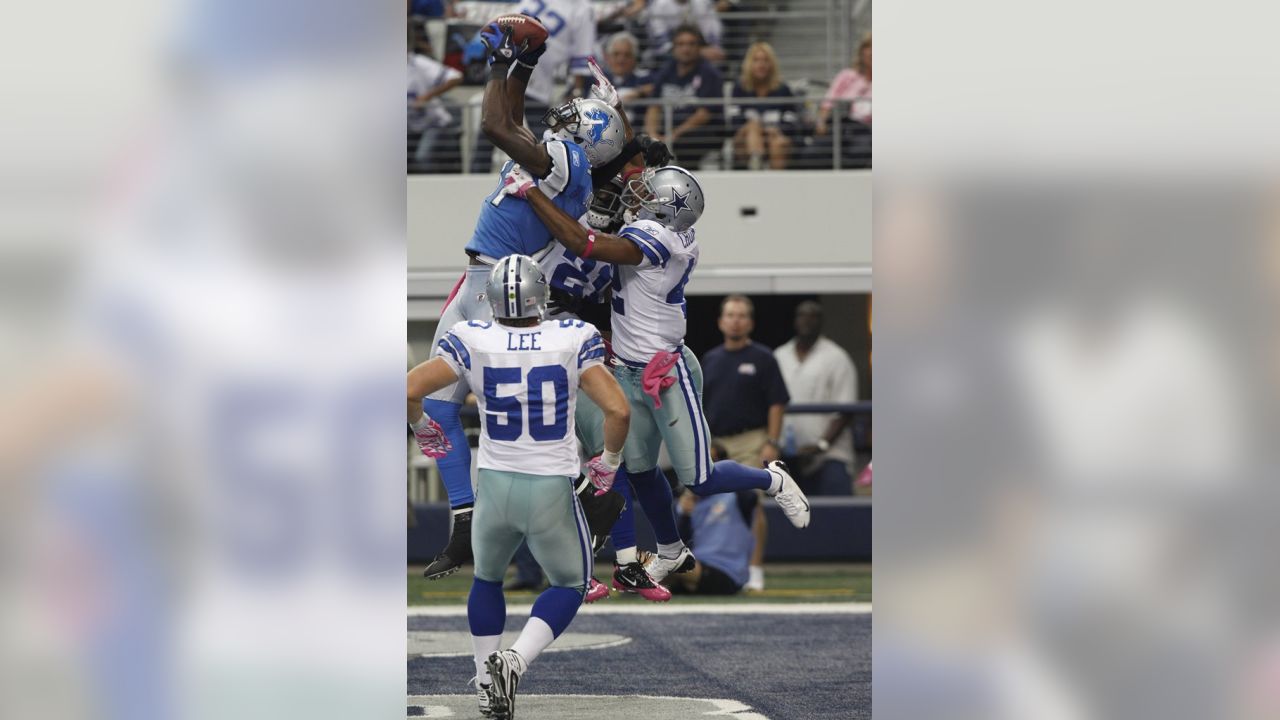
[790, 497]
[659, 567]
[505, 668]
[482, 696]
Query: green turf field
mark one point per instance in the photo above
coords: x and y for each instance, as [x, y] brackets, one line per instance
[799, 582]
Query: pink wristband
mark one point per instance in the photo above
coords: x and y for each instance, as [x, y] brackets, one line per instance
[591, 243]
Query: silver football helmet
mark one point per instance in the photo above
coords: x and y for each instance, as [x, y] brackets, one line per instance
[516, 288]
[671, 195]
[589, 123]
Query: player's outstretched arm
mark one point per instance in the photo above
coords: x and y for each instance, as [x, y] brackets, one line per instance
[426, 378]
[583, 242]
[496, 118]
[599, 385]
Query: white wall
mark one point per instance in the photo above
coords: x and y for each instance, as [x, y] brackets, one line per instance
[811, 231]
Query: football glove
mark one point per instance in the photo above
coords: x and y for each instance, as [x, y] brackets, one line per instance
[517, 182]
[601, 473]
[432, 441]
[497, 40]
[602, 90]
[656, 152]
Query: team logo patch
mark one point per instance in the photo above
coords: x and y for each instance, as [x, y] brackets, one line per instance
[678, 202]
[595, 122]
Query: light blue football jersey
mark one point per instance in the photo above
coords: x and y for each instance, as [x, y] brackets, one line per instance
[511, 225]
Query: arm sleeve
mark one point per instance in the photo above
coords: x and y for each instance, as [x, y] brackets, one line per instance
[655, 252]
[454, 352]
[592, 351]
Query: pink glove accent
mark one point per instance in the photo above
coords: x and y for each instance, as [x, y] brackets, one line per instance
[600, 475]
[432, 441]
[864, 477]
[655, 378]
[517, 186]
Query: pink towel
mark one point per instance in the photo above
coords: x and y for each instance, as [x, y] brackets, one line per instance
[655, 378]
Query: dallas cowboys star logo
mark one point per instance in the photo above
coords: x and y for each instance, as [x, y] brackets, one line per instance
[678, 202]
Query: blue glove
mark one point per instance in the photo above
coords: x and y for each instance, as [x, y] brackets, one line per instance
[530, 57]
[498, 41]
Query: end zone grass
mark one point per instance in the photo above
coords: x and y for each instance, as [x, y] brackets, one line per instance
[798, 582]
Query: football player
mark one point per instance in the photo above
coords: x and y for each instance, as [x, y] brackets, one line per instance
[588, 133]
[530, 370]
[654, 257]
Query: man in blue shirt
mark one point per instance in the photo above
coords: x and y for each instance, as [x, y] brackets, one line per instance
[695, 129]
[716, 527]
[744, 396]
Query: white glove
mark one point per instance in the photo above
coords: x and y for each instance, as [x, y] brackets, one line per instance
[603, 89]
[517, 182]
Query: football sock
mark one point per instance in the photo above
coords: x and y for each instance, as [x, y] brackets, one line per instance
[654, 495]
[730, 476]
[624, 530]
[487, 615]
[455, 468]
[483, 646]
[626, 556]
[552, 612]
[670, 550]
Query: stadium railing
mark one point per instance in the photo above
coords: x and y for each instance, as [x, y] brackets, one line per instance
[846, 144]
[814, 39]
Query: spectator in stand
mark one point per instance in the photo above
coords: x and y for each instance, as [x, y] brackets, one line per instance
[817, 370]
[432, 126]
[621, 66]
[695, 128]
[664, 17]
[851, 85]
[762, 127]
[744, 398]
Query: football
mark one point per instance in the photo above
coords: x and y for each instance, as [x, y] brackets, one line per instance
[524, 29]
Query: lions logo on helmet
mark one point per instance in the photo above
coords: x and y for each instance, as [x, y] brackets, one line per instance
[589, 123]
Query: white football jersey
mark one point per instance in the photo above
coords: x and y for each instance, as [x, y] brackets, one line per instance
[571, 29]
[526, 383]
[648, 299]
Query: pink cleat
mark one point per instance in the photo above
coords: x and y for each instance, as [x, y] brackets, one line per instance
[632, 578]
[596, 591]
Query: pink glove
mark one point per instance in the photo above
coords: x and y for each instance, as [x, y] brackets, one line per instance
[655, 378]
[432, 441]
[601, 474]
[864, 477]
[517, 182]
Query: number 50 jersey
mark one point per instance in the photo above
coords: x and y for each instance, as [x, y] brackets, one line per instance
[526, 383]
[648, 299]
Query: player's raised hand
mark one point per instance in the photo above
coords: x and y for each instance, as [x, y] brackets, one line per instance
[601, 473]
[603, 89]
[517, 182]
[497, 40]
[431, 440]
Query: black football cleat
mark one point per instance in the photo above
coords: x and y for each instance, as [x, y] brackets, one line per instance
[633, 578]
[457, 553]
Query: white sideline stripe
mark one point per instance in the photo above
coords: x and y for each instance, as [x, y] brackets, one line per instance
[605, 608]
[552, 649]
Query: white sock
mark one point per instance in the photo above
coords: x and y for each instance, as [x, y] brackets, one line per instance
[626, 556]
[535, 638]
[775, 483]
[460, 511]
[484, 646]
[669, 551]
[755, 576]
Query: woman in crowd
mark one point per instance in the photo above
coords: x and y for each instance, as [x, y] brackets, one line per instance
[763, 129]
